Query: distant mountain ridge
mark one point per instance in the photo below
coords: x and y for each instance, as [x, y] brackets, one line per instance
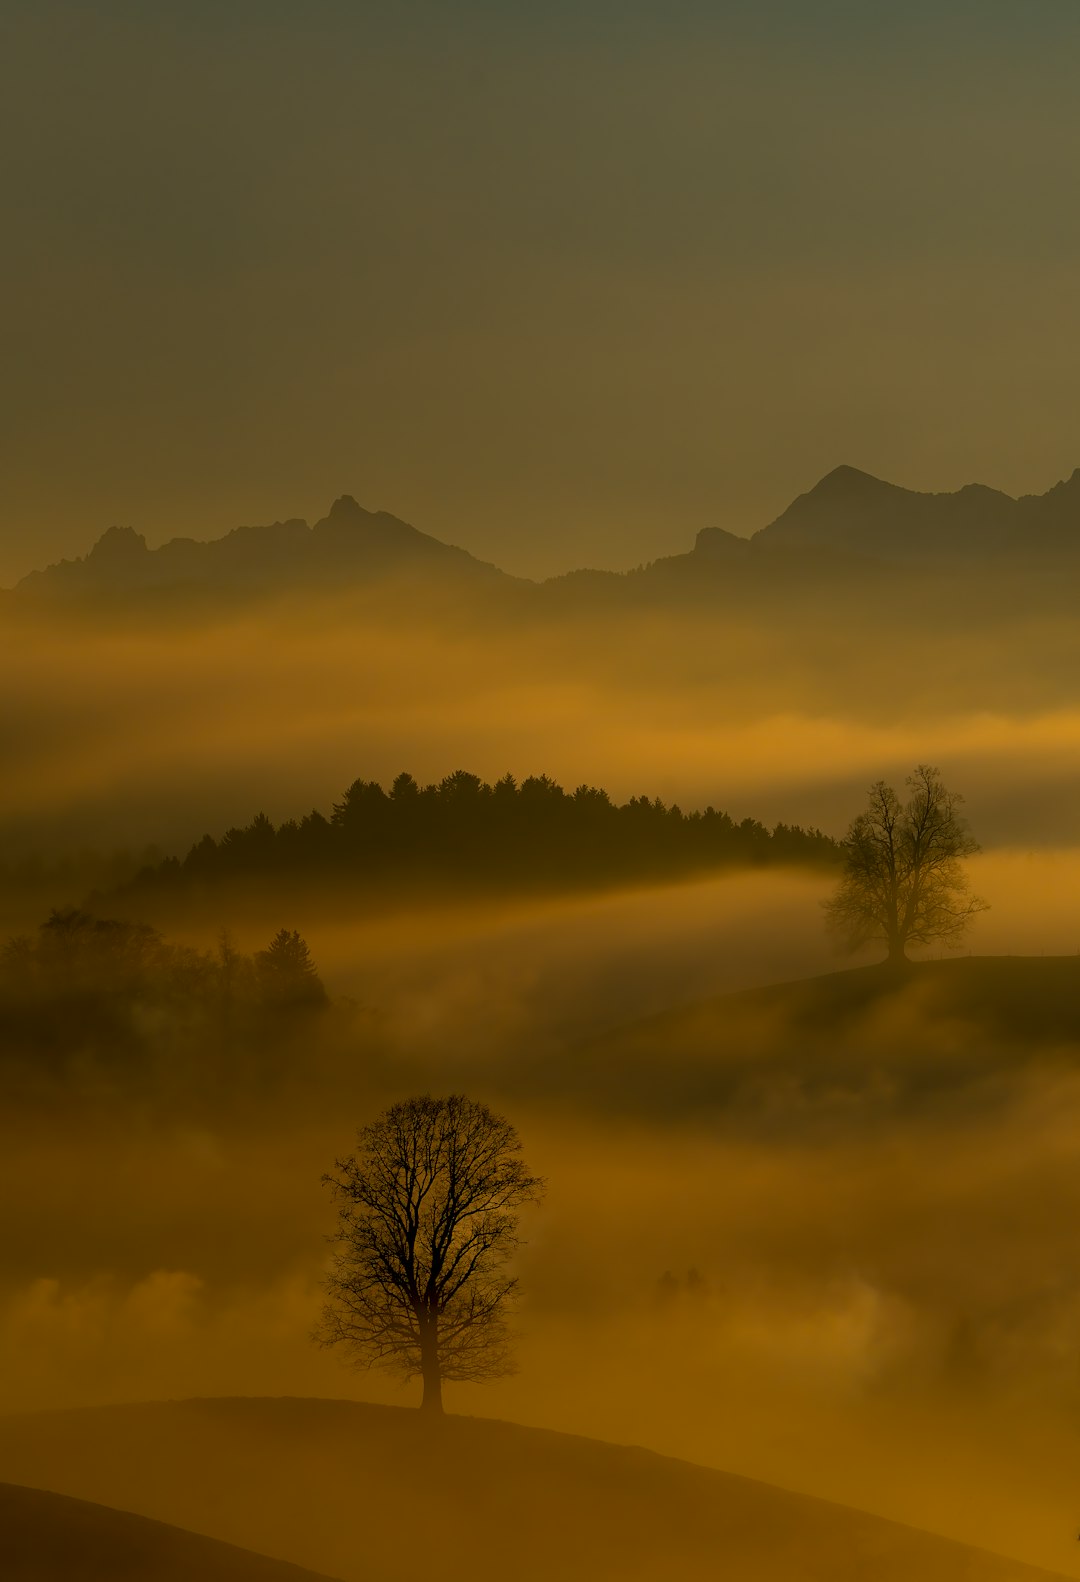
[852, 511]
[850, 521]
[347, 542]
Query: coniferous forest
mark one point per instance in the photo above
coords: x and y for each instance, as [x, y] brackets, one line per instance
[464, 833]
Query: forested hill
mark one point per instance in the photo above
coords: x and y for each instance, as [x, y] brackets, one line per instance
[464, 833]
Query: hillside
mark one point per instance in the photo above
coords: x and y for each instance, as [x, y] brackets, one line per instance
[48, 1537]
[862, 1044]
[1028, 999]
[365, 1491]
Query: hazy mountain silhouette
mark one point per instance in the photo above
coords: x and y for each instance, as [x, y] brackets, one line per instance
[852, 527]
[367, 1491]
[853, 512]
[46, 1537]
[850, 524]
[347, 544]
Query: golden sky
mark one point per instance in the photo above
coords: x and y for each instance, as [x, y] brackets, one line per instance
[561, 283]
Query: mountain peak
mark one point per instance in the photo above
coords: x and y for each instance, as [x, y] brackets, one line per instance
[845, 481]
[857, 514]
[118, 544]
[345, 506]
[716, 543]
[983, 491]
[1067, 486]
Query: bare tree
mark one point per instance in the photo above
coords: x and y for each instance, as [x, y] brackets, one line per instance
[427, 1223]
[902, 881]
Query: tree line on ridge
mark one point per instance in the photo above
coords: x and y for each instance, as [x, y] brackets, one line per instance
[465, 831]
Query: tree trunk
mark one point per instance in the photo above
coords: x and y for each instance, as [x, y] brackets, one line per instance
[897, 958]
[430, 1371]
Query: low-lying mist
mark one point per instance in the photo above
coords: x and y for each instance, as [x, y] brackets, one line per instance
[825, 1236]
[130, 731]
[827, 1243]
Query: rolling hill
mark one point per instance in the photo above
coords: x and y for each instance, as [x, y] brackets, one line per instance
[861, 1043]
[365, 1491]
[48, 1537]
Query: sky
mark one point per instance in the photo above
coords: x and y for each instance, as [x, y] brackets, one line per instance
[560, 283]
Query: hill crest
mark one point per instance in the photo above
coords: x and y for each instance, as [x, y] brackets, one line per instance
[329, 1483]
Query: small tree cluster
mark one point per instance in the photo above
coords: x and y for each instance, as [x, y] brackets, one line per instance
[116, 992]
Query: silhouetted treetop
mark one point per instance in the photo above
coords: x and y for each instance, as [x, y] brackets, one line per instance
[285, 971]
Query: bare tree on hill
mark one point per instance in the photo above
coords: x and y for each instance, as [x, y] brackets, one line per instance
[903, 882]
[427, 1224]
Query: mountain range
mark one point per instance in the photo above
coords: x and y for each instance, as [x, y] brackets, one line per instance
[854, 513]
[348, 544]
[849, 524]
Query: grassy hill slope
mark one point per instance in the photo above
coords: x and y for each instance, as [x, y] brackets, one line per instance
[872, 1036]
[48, 1537]
[363, 1491]
[1015, 996]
